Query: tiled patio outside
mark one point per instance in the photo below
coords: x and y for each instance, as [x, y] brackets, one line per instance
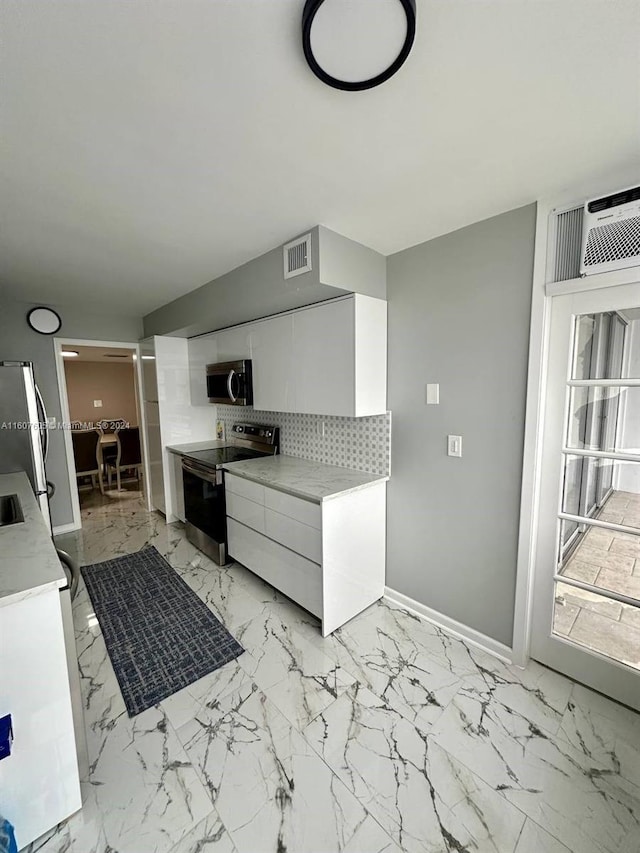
[611, 561]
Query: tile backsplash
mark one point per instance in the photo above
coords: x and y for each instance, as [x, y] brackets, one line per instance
[360, 443]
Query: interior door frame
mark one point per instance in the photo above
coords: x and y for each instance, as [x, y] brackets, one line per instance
[58, 344]
[541, 297]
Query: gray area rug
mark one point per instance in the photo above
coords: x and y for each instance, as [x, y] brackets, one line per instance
[160, 636]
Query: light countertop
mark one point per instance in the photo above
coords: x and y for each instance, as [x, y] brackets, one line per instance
[186, 449]
[29, 564]
[314, 481]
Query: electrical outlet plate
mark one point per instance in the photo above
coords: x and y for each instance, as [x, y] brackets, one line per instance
[97, 404]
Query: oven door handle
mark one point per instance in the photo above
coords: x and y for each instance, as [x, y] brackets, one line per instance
[213, 477]
[232, 397]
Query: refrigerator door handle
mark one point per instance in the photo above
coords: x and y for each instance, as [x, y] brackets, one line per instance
[44, 431]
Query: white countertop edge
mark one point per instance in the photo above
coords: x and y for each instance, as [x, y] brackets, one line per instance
[299, 493]
[20, 595]
[29, 564]
[180, 449]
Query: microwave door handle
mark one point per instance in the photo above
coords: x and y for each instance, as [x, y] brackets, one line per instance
[232, 397]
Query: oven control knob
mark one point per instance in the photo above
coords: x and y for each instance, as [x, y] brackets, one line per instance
[261, 433]
[240, 428]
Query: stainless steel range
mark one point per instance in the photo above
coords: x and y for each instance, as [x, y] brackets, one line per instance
[204, 500]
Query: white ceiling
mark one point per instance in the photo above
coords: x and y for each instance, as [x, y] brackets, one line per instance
[152, 145]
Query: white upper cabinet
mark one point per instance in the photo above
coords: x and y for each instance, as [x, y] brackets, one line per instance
[328, 359]
[323, 361]
[202, 351]
[271, 355]
[233, 344]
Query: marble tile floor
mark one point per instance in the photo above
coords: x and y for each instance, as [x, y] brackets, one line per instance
[388, 736]
[93, 498]
[609, 560]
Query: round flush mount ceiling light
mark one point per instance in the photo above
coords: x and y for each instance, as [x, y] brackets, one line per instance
[357, 44]
[43, 320]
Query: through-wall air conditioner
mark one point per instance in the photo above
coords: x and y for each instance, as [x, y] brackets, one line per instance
[611, 232]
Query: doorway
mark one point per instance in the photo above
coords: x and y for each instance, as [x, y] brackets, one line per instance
[103, 423]
[586, 603]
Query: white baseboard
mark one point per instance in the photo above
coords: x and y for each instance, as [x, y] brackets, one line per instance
[456, 629]
[66, 528]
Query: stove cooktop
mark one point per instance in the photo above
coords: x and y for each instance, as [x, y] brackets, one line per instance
[218, 456]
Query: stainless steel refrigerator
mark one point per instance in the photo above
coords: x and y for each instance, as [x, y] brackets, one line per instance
[24, 438]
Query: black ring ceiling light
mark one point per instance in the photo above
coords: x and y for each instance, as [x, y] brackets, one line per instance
[311, 8]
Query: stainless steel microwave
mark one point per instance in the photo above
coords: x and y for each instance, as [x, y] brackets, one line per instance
[230, 383]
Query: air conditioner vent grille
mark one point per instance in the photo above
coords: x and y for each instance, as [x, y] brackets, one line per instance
[612, 242]
[297, 256]
[568, 244]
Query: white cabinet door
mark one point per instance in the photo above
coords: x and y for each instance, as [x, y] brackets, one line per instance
[202, 351]
[39, 781]
[324, 359]
[274, 365]
[233, 344]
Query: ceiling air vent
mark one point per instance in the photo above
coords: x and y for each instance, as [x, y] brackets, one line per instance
[611, 238]
[297, 256]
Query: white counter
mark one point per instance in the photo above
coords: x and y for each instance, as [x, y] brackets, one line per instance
[29, 564]
[186, 449]
[313, 481]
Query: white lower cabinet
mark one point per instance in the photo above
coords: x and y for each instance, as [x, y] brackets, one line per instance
[287, 571]
[328, 557]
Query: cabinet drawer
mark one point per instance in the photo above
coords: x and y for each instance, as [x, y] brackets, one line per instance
[304, 511]
[287, 571]
[246, 511]
[303, 538]
[244, 488]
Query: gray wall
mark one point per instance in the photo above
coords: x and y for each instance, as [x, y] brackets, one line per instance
[258, 288]
[19, 343]
[459, 312]
[351, 266]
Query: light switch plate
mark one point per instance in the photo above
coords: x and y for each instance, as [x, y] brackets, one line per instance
[433, 394]
[454, 445]
[97, 404]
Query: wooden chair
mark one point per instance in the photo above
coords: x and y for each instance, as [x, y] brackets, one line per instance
[86, 453]
[129, 455]
[110, 427]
